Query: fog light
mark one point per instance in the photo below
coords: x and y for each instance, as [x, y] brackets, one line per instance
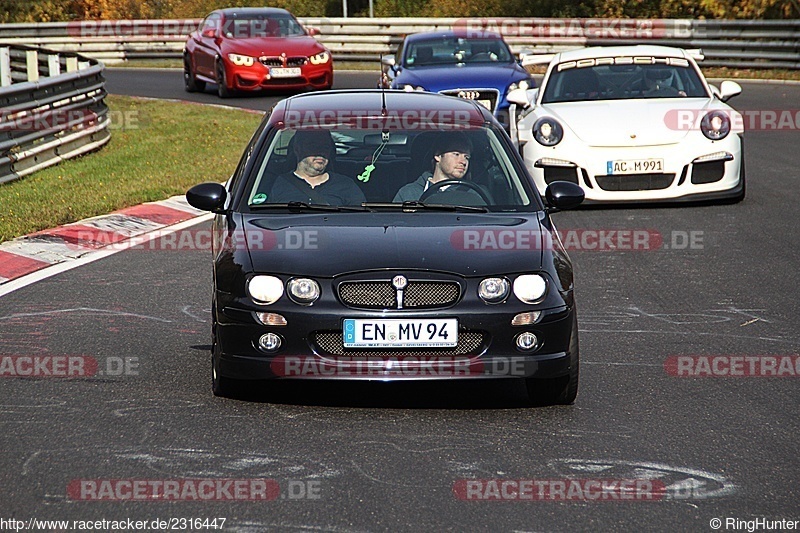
[526, 341]
[269, 342]
[526, 319]
[271, 319]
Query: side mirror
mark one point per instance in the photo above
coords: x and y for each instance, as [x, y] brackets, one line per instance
[208, 196]
[387, 61]
[210, 33]
[519, 97]
[729, 89]
[313, 31]
[563, 195]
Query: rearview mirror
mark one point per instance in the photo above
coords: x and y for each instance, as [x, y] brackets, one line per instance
[210, 33]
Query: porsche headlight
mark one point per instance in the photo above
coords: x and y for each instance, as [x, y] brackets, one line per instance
[493, 290]
[241, 61]
[530, 288]
[411, 88]
[716, 125]
[265, 290]
[547, 131]
[320, 58]
[303, 290]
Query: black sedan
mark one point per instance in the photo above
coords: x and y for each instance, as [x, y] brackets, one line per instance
[386, 235]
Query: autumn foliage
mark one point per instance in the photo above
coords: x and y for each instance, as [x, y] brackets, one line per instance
[65, 10]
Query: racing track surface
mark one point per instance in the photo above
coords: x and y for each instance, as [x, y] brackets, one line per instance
[379, 457]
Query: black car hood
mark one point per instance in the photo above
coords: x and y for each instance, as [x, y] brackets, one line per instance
[327, 245]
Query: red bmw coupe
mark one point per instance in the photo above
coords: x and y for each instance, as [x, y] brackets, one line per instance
[248, 49]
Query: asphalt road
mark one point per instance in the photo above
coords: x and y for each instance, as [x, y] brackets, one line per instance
[378, 457]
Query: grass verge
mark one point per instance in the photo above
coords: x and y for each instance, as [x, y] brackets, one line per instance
[157, 150]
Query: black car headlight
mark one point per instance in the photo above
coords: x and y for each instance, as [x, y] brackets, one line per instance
[493, 290]
[265, 290]
[716, 125]
[547, 131]
[530, 288]
[303, 290]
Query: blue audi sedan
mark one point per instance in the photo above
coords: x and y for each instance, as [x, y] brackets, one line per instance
[476, 67]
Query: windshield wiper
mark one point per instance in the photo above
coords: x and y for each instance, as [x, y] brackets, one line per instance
[420, 206]
[303, 206]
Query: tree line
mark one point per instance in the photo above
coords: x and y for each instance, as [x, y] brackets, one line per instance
[66, 10]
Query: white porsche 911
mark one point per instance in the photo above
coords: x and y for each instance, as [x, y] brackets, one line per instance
[631, 124]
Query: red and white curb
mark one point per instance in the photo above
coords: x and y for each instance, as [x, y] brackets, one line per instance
[30, 258]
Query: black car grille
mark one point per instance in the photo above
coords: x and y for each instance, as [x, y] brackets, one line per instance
[381, 294]
[295, 61]
[271, 61]
[330, 343]
[476, 94]
[635, 182]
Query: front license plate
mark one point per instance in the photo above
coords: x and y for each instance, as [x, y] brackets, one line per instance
[634, 166]
[280, 72]
[400, 333]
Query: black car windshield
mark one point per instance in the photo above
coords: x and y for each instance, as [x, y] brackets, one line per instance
[621, 78]
[456, 50]
[402, 169]
[249, 26]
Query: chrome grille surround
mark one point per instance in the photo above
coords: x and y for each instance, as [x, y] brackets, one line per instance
[380, 294]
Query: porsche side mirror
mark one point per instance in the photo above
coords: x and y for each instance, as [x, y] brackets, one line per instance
[563, 195]
[208, 196]
[313, 31]
[519, 97]
[729, 89]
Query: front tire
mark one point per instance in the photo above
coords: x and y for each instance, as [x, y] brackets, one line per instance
[190, 82]
[564, 389]
[739, 197]
[222, 81]
[220, 386]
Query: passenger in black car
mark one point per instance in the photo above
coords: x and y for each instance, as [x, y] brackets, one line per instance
[311, 182]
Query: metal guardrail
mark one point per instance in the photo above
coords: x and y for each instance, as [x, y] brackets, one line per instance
[730, 43]
[51, 108]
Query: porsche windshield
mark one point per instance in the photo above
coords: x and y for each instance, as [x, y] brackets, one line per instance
[623, 78]
[376, 168]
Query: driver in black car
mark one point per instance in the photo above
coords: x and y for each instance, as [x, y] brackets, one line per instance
[450, 161]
